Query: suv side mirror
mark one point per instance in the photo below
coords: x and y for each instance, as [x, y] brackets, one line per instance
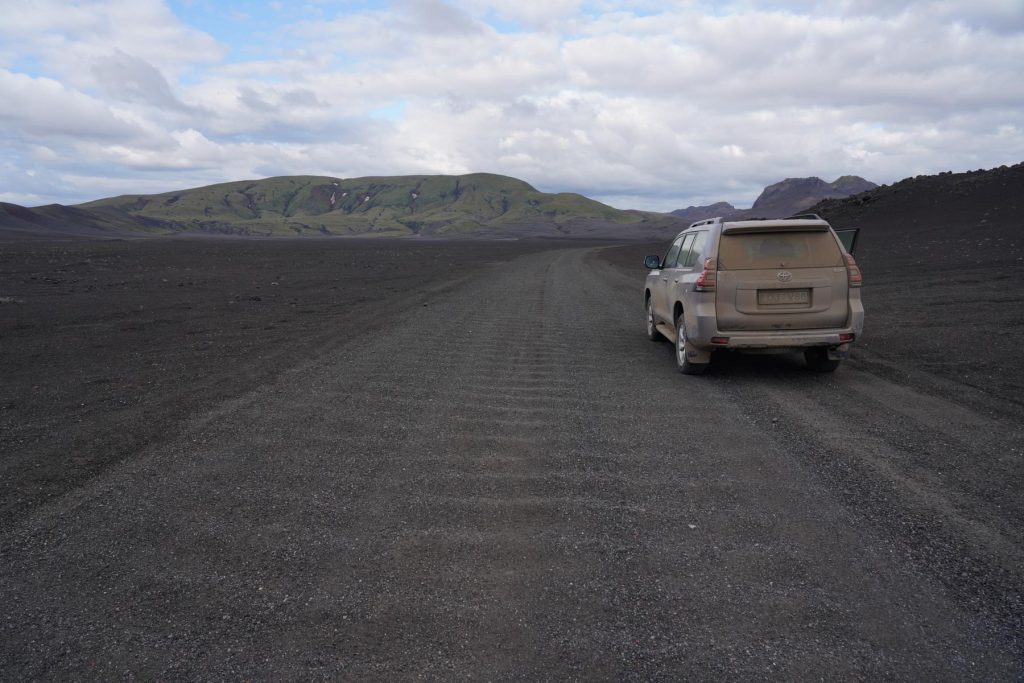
[652, 262]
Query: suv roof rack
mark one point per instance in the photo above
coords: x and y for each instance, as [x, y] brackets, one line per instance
[812, 216]
[707, 221]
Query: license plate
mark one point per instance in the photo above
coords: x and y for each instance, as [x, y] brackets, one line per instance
[774, 297]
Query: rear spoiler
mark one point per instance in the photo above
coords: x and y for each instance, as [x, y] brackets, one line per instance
[775, 226]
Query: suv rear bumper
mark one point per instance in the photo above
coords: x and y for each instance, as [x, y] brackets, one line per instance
[705, 327]
[780, 340]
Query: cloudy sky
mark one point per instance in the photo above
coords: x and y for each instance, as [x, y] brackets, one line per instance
[641, 104]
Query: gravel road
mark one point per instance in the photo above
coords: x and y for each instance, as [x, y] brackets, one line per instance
[508, 481]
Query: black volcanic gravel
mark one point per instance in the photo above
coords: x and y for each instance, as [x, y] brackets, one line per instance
[323, 460]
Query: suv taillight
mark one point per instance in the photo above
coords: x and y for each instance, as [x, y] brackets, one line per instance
[853, 272]
[708, 278]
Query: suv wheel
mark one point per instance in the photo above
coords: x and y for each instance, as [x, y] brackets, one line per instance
[818, 360]
[652, 330]
[683, 364]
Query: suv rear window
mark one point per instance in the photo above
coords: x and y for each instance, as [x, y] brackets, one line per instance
[766, 250]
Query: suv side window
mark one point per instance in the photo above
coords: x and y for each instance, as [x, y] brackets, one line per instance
[683, 252]
[673, 252]
[693, 257]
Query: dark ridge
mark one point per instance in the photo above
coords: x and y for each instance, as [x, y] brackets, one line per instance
[785, 198]
[943, 218]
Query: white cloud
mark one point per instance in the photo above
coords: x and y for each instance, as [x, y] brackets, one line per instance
[69, 38]
[529, 14]
[41, 108]
[129, 78]
[651, 104]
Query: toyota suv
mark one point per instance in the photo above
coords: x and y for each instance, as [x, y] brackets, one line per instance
[762, 286]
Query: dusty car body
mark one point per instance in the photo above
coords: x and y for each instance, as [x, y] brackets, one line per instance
[764, 286]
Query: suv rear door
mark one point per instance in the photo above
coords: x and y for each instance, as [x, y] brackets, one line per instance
[849, 239]
[781, 278]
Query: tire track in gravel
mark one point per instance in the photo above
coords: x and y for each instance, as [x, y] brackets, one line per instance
[941, 477]
[507, 483]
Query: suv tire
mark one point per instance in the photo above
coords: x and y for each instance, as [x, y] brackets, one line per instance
[683, 364]
[818, 360]
[652, 329]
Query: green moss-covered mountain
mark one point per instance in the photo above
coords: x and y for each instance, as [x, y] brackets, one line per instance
[478, 203]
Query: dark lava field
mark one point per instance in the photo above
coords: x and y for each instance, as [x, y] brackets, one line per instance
[322, 459]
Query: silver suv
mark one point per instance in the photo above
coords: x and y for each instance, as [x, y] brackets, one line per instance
[763, 286]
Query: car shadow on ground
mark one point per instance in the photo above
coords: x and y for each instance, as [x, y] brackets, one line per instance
[736, 364]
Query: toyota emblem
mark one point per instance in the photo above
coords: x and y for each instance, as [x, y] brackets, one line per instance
[784, 276]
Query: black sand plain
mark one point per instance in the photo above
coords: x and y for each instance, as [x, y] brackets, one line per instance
[107, 344]
[228, 458]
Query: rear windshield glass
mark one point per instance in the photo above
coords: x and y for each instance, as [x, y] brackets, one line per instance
[762, 251]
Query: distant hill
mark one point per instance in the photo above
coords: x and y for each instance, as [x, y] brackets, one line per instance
[699, 213]
[473, 205]
[785, 198]
[793, 195]
[402, 205]
[56, 221]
